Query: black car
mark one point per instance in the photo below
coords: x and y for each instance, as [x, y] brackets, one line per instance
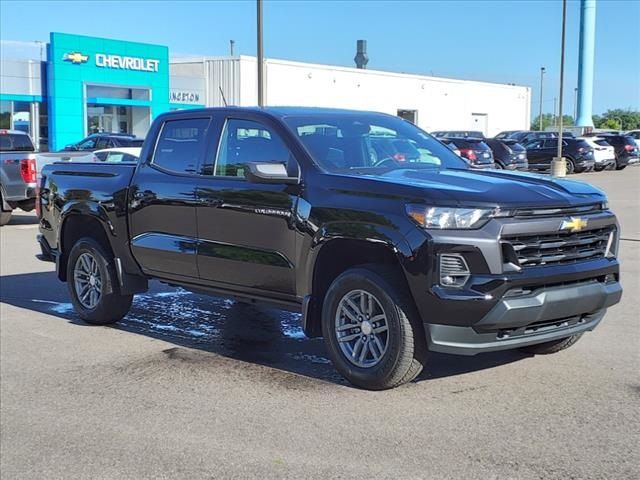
[626, 149]
[99, 141]
[383, 258]
[578, 154]
[471, 148]
[508, 154]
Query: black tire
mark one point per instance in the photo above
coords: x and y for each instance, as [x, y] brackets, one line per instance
[598, 169]
[406, 349]
[5, 217]
[554, 346]
[498, 166]
[111, 306]
[620, 167]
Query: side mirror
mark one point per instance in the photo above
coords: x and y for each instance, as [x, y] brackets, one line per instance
[267, 172]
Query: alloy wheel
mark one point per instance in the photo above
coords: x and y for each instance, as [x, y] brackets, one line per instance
[87, 281]
[361, 328]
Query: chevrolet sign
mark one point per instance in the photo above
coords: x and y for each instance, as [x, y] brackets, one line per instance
[126, 63]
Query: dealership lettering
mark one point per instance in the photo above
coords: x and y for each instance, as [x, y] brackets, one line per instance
[184, 97]
[126, 63]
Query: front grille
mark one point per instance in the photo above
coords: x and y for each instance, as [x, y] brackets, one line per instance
[554, 212]
[560, 247]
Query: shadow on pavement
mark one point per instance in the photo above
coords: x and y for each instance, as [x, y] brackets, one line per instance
[256, 334]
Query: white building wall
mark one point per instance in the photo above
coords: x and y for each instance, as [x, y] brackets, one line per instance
[441, 103]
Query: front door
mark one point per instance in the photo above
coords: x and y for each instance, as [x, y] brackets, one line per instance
[162, 200]
[535, 153]
[245, 230]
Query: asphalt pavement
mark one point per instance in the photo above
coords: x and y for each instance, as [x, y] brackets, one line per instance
[193, 387]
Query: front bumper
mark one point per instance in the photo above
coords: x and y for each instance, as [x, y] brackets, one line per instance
[544, 315]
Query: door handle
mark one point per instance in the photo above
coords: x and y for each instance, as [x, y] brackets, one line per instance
[209, 202]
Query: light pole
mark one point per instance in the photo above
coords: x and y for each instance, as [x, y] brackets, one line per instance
[558, 164]
[260, 54]
[542, 70]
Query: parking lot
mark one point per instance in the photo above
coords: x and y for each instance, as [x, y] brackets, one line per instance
[189, 386]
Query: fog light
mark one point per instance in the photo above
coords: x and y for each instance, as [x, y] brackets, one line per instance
[610, 278]
[454, 271]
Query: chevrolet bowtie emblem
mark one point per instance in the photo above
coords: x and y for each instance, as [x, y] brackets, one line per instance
[574, 224]
[75, 57]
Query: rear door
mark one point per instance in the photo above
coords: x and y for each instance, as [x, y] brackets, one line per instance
[247, 240]
[162, 198]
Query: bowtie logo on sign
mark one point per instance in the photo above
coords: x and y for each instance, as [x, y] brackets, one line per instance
[75, 57]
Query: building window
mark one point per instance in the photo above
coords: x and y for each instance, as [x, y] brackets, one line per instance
[5, 115]
[43, 126]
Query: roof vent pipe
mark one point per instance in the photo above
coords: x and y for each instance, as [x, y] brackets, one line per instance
[361, 57]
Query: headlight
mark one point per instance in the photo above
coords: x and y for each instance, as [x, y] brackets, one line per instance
[449, 218]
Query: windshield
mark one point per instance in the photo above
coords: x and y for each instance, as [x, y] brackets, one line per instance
[370, 143]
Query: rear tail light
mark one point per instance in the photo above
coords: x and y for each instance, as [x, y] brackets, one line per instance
[468, 154]
[629, 148]
[399, 157]
[28, 170]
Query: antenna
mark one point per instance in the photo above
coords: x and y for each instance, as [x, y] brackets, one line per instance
[224, 100]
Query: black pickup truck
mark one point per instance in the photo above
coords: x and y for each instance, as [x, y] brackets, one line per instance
[385, 256]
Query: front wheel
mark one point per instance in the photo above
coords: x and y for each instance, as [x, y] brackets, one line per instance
[571, 167]
[372, 332]
[93, 284]
[620, 167]
[551, 347]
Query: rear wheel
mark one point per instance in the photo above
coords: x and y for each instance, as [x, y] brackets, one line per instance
[499, 166]
[93, 284]
[372, 332]
[5, 215]
[571, 167]
[551, 347]
[4, 218]
[620, 167]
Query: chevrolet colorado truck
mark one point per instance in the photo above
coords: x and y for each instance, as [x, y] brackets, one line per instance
[385, 256]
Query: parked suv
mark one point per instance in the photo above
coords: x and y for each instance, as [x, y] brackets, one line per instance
[603, 153]
[384, 258]
[626, 149]
[524, 136]
[507, 153]
[100, 141]
[577, 153]
[471, 148]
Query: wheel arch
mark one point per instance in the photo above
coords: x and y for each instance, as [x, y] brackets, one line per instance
[333, 257]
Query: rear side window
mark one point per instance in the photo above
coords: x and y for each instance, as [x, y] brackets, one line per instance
[15, 142]
[180, 145]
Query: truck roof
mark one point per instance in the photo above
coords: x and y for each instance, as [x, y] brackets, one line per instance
[285, 111]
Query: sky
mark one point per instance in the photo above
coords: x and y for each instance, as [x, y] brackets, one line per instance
[496, 40]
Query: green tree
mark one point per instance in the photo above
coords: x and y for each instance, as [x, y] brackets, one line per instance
[549, 120]
[630, 119]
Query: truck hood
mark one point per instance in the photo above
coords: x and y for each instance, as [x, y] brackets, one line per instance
[489, 187]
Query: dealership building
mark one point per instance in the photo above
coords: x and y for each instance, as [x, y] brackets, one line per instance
[87, 84]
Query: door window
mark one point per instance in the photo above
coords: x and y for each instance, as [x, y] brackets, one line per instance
[102, 143]
[244, 141]
[88, 144]
[181, 145]
[533, 144]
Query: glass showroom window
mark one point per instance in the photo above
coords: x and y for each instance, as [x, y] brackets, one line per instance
[22, 116]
